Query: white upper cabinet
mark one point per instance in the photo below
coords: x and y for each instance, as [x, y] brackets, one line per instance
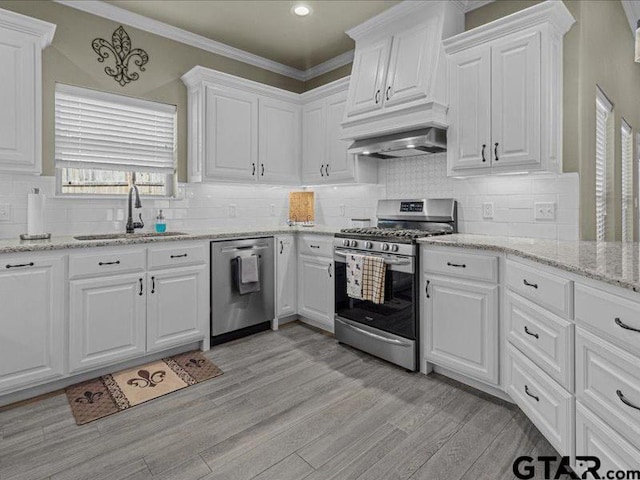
[505, 93]
[279, 141]
[313, 141]
[398, 77]
[21, 42]
[339, 163]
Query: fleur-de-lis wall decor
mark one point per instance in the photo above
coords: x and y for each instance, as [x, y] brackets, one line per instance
[123, 54]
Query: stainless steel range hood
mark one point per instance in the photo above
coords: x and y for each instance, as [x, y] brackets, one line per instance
[404, 144]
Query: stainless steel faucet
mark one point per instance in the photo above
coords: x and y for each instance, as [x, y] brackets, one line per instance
[131, 225]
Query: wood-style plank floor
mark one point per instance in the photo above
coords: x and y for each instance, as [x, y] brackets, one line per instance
[291, 405]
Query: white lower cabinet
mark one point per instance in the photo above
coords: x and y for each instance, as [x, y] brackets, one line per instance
[107, 320]
[286, 276]
[316, 292]
[31, 339]
[177, 300]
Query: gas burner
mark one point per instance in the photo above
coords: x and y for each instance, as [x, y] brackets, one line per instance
[394, 232]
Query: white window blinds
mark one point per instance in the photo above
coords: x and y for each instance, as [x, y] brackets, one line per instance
[99, 130]
[603, 110]
[627, 182]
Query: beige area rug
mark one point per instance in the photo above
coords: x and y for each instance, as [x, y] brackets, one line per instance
[113, 393]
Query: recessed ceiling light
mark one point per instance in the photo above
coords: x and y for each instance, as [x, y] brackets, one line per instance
[301, 10]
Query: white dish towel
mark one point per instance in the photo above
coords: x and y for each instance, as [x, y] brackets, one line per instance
[249, 269]
[355, 265]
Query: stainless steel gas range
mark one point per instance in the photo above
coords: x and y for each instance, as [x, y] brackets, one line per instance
[389, 330]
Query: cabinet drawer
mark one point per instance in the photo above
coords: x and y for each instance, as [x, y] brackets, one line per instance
[470, 266]
[106, 262]
[549, 406]
[608, 382]
[595, 438]
[315, 245]
[546, 289]
[543, 337]
[176, 256]
[609, 314]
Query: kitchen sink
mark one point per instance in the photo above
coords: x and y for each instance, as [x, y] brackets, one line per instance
[116, 236]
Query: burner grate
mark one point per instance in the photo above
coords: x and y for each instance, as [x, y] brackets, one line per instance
[394, 233]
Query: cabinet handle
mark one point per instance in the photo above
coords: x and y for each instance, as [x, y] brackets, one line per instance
[426, 289]
[526, 390]
[21, 265]
[534, 285]
[321, 167]
[625, 401]
[377, 97]
[459, 265]
[179, 256]
[388, 91]
[484, 145]
[326, 169]
[153, 284]
[281, 247]
[117, 262]
[329, 270]
[314, 246]
[495, 151]
[141, 287]
[526, 330]
[626, 327]
[262, 166]
[253, 169]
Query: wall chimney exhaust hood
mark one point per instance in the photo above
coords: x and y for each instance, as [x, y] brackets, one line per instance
[400, 145]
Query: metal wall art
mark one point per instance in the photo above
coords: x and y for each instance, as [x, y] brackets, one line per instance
[121, 50]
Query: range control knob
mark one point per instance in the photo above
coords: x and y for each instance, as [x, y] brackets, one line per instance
[394, 248]
[368, 245]
[385, 247]
[346, 243]
[354, 243]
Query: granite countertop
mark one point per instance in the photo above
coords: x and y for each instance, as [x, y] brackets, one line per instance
[10, 245]
[615, 263]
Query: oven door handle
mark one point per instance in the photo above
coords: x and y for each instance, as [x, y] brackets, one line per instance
[373, 335]
[386, 261]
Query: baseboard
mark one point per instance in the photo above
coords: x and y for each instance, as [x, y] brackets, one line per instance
[471, 382]
[314, 323]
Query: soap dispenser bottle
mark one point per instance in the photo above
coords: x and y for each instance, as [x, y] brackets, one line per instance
[161, 223]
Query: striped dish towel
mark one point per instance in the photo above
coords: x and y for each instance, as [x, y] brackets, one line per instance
[354, 276]
[373, 279]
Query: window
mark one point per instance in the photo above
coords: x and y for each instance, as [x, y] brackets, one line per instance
[627, 182]
[102, 138]
[604, 123]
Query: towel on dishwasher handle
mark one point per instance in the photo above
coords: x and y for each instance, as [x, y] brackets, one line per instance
[249, 269]
[373, 275]
[354, 276]
[236, 269]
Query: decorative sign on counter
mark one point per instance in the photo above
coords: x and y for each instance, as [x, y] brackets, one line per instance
[123, 54]
[301, 207]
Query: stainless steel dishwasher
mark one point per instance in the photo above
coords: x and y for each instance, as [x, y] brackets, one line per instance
[234, 315]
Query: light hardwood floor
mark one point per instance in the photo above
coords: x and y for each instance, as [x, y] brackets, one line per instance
[291, 405]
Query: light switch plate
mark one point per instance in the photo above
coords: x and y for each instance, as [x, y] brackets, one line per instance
[545, 210]
[342, 210]
[272, 209]
[5, 212]
[232, 210]
[487, 210]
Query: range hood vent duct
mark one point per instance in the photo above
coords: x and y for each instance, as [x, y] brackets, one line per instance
[401, 145]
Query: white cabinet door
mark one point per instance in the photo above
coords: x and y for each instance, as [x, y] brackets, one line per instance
[31, 338]
[515, 97]
[462, 326]
[18, 96]
[279, 145]
[286, 273]
[339, 164]
[368, 77]
[107, 320]
[231, 135]
[469, 133]
[313, 142]
[177, 306]
[409, 77]
[315, 296]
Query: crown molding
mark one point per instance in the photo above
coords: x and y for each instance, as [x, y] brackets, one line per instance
[323, 91]
[32, 26]
[120, 15]
[632, 11]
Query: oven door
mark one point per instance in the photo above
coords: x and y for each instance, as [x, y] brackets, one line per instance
[397, 315]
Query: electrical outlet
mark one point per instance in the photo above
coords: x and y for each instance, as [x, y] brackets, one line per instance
[5, 212]
[487, 210]
[545, 210]
[232, 210]
[342, 210]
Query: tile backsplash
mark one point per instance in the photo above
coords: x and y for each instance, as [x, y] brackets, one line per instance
[203, 206]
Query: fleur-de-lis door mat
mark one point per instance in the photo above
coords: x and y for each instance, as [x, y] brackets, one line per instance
[115, 392]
